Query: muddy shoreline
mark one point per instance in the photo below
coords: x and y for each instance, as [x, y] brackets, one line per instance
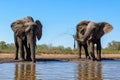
[8, 57]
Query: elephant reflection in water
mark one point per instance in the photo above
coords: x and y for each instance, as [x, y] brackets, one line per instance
[89, 71]
[25, 71]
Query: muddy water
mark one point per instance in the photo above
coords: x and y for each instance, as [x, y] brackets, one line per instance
[59, 70]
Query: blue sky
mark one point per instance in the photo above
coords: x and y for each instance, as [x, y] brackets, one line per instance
[59, 18]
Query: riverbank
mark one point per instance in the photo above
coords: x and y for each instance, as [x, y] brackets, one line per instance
[8, 57]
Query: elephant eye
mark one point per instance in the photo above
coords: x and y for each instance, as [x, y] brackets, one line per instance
[17, 23]
[82, 32]
[28, 21]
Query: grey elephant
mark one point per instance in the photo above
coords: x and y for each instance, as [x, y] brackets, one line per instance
[26, 30]
[90, 33]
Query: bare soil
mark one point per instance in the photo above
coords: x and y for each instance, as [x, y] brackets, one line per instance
[8, 57]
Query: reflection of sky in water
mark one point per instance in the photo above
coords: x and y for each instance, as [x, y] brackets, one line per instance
[7, 71]
[111, 70]
[56, 70]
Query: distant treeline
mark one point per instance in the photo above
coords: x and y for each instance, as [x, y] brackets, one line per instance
[113, 47]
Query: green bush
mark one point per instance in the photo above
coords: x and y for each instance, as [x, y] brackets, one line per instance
[113, 47]
[6, 48]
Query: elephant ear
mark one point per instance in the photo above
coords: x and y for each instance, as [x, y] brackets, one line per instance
[104, 28]
[38, 29]
[17, 26]
[80, 29]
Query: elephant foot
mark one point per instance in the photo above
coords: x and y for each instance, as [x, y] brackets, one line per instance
[28, 59]
[87, 57]
[15, 58]
[93, 59]
[34, 61]
[98, 59]
[21, 59]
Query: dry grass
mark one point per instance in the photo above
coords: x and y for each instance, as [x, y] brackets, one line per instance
[59, 56]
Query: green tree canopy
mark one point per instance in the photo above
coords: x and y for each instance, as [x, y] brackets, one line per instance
[3, 44]
[114, 45]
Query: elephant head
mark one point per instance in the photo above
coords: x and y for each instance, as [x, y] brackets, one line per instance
[80, 30]
[19, 26]
[96, 30]
[86, 30]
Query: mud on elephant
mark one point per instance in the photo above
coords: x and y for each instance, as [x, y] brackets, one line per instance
[25, 32]
[89, 33]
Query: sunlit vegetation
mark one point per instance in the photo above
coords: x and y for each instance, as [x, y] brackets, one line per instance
[113, 47]
[47, 49]
[6, 48]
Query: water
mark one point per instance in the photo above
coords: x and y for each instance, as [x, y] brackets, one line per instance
[60, 70]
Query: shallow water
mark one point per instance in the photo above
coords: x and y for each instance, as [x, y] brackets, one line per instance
[60, 70]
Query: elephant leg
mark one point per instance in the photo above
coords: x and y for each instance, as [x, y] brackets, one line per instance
[16, 52]
[79, 49]
[17, 47]
[86, 51]
[99, 50]
[21, 47]
[28, 54]
[92, 55]
[32, 49]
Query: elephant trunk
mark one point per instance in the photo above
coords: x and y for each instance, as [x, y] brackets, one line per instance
[88, 34]
[75, 38]
[31, 40]
[78, 39]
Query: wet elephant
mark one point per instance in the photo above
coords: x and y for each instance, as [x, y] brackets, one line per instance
[25, 32]
[90, 33]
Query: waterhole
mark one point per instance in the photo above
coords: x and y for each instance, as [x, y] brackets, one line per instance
[61, 70]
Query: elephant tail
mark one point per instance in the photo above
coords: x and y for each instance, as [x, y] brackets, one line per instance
[74, 44]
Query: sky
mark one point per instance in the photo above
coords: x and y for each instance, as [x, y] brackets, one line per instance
[60, 17]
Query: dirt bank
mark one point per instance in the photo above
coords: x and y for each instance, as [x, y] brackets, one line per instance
[5, 57]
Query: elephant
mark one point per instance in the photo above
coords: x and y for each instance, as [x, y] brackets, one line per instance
[26, 30]
[90, 33]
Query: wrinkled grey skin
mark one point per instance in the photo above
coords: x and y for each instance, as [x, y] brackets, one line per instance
[25, 32]
[90, 33]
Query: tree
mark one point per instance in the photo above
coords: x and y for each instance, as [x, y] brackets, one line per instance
[114, 45]
[3, 45]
